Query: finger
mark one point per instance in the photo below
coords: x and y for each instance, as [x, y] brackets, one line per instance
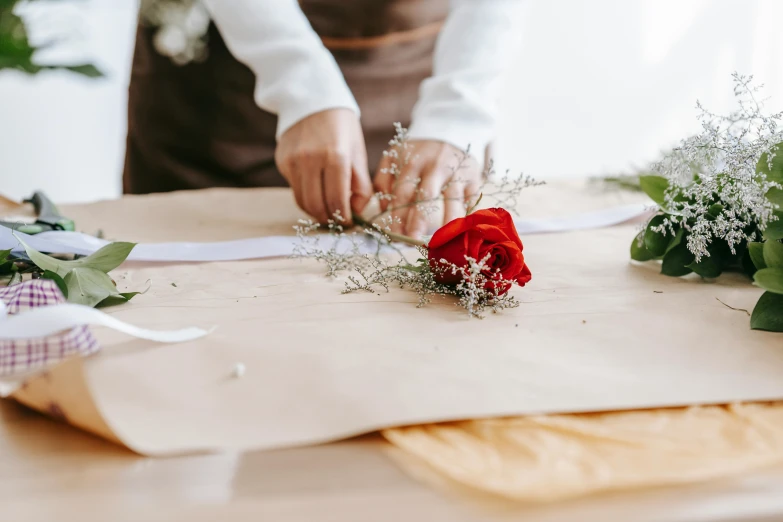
[361, 184]
[311, 180]
[453, 200]
[337, 187]
[427, 192]
[384, 180]
[403, 196]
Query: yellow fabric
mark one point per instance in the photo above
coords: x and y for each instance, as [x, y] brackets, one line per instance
[545, 458]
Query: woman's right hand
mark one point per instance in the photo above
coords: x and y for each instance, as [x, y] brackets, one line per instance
[324, 159]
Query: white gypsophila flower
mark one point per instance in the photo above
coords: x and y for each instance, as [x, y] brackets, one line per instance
[171, 40]
[182, 28]
[715, 191]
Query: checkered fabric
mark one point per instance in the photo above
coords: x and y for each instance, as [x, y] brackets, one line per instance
[22, 356]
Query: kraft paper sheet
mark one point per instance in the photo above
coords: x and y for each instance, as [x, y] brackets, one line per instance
[594, 333]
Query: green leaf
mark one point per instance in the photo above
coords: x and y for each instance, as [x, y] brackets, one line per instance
[118, 299]
[655, 187]
[106, 259]
[89, 286]
[775, 195]
[774, 229]
[707, 267]
[677, 260]
[48, 274]
[4, 255]
[654, 241]
[768, 313]
[639, 251]
[746, 264]
[87, 69]
[770, 279]
[715, 210]
[773, 254]
[757, 255]
[776, 172]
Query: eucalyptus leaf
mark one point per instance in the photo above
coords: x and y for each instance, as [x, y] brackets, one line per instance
[707, 267]
[639, 251]
[655, 187]
[656, 242]
[746, 264]
[89, 286]
[106, 259]
[774, 229]
[770, 279]
[48, 274]
[773, 254]
[118, 299]
[677, 260]
[775, 195]
[757, 255]
[768, 313]
[776, 172]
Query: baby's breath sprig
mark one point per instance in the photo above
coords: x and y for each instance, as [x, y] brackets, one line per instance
[499, 190]
[386, 266]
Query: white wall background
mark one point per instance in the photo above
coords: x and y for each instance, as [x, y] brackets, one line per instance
[601, 86]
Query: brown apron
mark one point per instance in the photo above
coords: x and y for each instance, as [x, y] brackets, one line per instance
[197, 125]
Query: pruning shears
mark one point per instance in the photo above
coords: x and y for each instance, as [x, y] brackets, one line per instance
[48, 218]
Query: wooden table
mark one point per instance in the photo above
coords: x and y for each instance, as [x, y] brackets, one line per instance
[52, 472]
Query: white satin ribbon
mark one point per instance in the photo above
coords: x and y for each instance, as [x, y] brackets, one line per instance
[49, 320]
[282, 246]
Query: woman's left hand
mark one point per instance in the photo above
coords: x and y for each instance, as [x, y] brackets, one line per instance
[435, 170]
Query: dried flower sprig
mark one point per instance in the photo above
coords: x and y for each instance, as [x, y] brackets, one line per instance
[497, 190]
[385, 266]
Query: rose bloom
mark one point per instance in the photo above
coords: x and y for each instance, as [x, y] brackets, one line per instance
[490, 231]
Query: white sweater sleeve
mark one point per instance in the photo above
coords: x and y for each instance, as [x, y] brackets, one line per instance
[458, 104]
[296, 76]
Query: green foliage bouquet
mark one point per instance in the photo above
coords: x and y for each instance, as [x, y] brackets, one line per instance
[719, 198]
[16, 50]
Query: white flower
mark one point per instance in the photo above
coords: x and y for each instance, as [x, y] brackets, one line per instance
[182, 28]
[171, 40]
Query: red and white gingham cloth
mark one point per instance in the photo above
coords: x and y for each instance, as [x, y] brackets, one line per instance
[28, 355]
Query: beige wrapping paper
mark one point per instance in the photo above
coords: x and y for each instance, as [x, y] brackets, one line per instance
[594, 333]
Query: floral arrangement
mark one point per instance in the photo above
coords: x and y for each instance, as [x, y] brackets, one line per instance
[719, 198]
[476, 258]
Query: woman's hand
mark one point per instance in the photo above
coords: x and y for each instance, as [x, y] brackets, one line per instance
[435, 170]
[324, 159]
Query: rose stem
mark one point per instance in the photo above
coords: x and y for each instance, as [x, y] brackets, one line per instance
[358, 220]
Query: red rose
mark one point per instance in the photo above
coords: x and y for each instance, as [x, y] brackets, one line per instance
[486, 232]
